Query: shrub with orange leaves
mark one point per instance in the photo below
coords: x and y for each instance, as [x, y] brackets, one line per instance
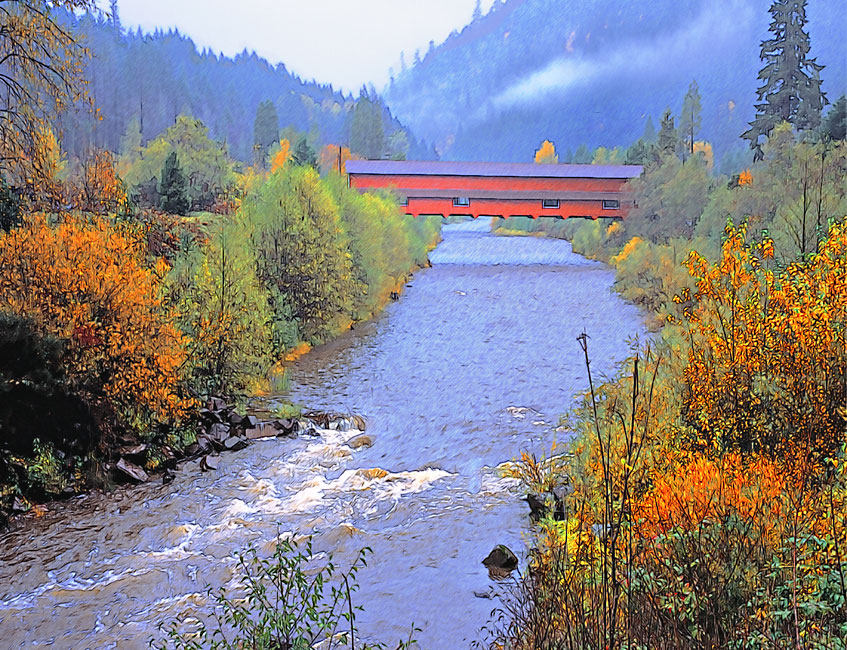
[702, 490]
[84, 281]
[99, 189]
[281, 155]
[745, 178]
[767, 367]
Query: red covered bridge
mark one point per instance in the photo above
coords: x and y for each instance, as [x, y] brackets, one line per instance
[504, 190]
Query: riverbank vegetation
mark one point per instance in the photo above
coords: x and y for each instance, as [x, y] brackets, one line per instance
[136, 285]
[295, 599]
[702, 500]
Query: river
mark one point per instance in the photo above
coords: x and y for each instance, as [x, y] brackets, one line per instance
[474, 363]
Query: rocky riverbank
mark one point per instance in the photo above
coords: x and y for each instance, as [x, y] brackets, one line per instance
[222, 429]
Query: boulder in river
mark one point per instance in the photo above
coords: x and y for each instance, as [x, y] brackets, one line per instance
[285, 427]
[261, 430]
[132, 470]
[501, 560]
[234, 443]
[131, 451]
[308, 428]
[360, 441]
[168, 477]
[209, 418]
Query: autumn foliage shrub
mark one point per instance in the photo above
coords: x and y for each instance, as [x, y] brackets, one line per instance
[708, 500]
[84, 281]
[767, 368]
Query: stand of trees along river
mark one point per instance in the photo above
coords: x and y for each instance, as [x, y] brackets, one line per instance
[173, 251]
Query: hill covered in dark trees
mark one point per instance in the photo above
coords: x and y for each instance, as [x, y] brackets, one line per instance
[592, 73]
[154, 78]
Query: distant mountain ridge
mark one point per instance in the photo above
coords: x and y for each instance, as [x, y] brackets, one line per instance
[591, 73]
[154, 77]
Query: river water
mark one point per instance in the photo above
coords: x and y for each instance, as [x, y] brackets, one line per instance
[475, 363]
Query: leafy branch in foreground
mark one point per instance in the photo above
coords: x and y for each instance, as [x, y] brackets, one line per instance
[288, 601]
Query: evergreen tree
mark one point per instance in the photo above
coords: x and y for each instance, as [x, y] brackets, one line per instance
[304, 155]
[638, 153]
[582, 155]
[835, 123]
[791, 85]
[690, 117]
[367, 134]
[174, 196]
[649, 135]
[668, 138]
[114, 16]
[265, 129]
[10, 206]
[477, 11]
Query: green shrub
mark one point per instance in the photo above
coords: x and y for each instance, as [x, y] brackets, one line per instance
[289, 601]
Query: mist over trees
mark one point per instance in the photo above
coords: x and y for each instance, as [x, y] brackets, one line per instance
[590, 74]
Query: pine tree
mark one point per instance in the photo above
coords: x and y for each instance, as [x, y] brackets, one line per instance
[477, 11]
[304, 155]
[649, 135]
[835, 123]
[174, 195]
[690, 117]
[791, 85]
[114, 16]
[265, 129]
[367, 133]
[668, 138]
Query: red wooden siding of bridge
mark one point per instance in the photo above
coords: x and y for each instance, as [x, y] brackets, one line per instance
[500, 189]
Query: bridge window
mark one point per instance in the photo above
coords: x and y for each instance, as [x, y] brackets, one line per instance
[549, 203]
[461, 202]
[611, 204]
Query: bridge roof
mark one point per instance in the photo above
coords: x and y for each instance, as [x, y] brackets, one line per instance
[530, 170]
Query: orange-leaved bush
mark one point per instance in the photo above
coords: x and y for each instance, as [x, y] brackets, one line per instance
[767, 367]
[702, 490]
[85, 282]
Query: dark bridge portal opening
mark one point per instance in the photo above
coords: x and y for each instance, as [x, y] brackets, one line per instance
[504, 190]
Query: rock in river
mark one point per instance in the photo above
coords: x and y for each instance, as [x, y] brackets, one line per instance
[261, 430]
[501, 558]
[360, 441]
[234, 443]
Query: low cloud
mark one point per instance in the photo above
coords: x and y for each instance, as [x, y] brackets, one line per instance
[718, 23]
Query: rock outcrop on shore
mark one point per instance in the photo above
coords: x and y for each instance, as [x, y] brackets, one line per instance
[222, 429]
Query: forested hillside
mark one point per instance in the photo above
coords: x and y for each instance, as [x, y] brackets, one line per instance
[143, 82]
[593, 73]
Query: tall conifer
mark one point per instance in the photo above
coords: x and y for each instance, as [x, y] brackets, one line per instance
[791, 84]
[174, 195]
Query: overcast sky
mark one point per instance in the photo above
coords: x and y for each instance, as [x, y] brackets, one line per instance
[343, 42]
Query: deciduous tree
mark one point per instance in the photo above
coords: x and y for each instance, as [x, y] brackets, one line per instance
[546, 153]
[41, 73]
